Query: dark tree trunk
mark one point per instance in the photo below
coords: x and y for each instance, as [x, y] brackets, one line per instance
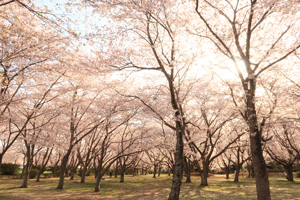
[204, 174]
[25, 180]
[83, 173]
[259, 164]
[72, 173]
[1, 157]
[99, 177]
[159, 171]
[39, 175]
[155, 170]
[237, 173]
[62, 170]
[122, 175]
[188, 177]
[178, 168]
[116, 170]
[260, 169]
[289, 172]
[169, 171]
[227, 174]
[27, 167]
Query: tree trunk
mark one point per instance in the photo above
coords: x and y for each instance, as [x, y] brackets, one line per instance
[159, 171]
[62, 170]
[122, 175]
[188, 176]
[1, 157]
[227, 174]
[259, 164]
[204, 174]
[99, 177]
[178, 168]
[289, 172]
[237, 173]
[83, 172]
[39, 175]
[28, 167]
[116, 171]
[154, 172]
[73, 171]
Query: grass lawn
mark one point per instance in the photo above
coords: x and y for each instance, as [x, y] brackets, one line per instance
[145, 188]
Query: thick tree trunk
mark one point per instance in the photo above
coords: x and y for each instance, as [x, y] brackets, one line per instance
[178, 168]
[259, 164]
[204, 174]
[62, 170]
[289, 172]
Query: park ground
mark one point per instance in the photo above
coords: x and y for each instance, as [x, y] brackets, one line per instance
[143, 187]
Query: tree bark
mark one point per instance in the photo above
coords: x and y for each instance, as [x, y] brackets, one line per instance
[83, 173]
[237, 173]
[289, 172]
[122, 175]
[63, 169]
[260, 167]
[1, 157]
[259, 164]
[188, 177]
[204, 174]
[178, 168]
[154, 171]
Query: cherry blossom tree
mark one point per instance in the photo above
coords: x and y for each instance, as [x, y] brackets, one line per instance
[240, 34]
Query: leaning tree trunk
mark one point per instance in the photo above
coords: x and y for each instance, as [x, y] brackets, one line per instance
[178, 168]
[62, 170]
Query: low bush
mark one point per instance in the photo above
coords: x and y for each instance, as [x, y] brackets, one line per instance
[33, 173]
[9, 168]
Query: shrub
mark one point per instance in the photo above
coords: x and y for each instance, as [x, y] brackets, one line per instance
[33, 173]
[9, 168]
[298, 174]
[57, 173]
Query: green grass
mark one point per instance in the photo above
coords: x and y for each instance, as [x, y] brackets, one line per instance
[144, 188]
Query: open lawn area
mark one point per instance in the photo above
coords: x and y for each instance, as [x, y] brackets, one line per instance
[144, 188]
